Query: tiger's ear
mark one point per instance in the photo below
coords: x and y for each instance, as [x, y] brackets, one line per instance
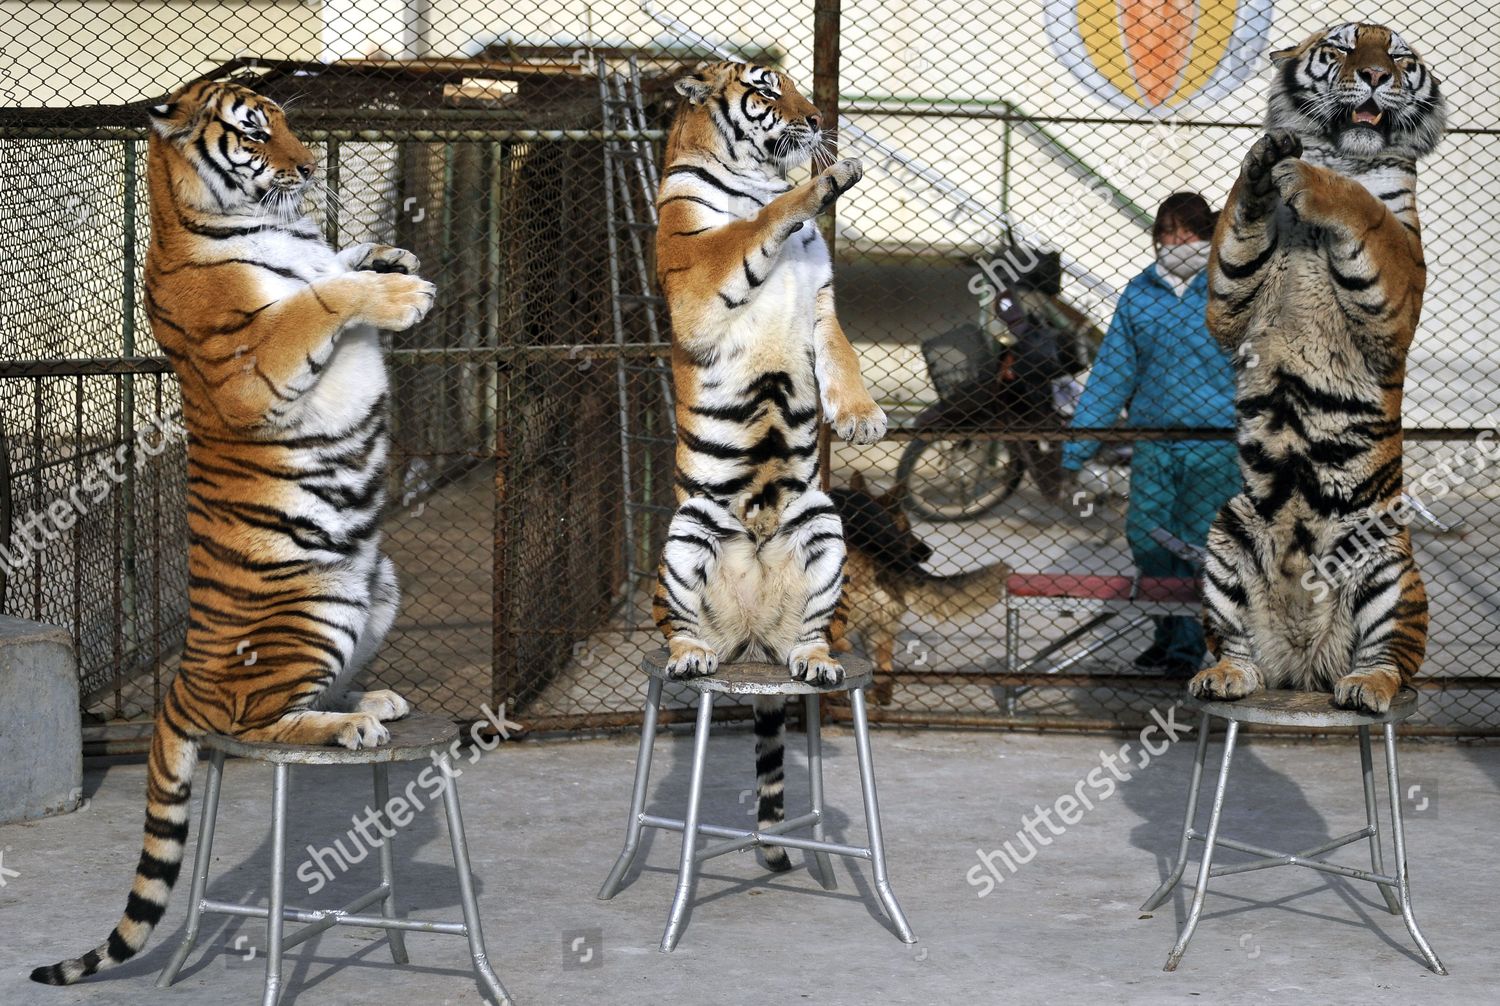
[1292, 52]
[171, 118]
[696, 89]
[857, 482]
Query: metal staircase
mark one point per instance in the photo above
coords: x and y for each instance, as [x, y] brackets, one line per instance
[647, 428]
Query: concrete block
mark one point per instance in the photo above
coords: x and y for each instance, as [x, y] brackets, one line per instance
[41, 743]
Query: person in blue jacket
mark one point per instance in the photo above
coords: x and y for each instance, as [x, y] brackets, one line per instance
[1159, 360]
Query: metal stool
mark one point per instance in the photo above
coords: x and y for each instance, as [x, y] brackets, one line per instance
[415, 738]
[1300, 709]
[754, 679]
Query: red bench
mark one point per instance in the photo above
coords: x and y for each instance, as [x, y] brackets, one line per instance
[1101, 597]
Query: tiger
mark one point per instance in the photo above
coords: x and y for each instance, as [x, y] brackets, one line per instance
[753, 563]
[1316, 278]
[274, 337]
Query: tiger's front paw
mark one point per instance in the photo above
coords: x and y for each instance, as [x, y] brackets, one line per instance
[813, 664]
[1266, 154]
[1292, 179]
[688, 658]
[836, 179]
[858, 421]
[380, 258]
[1223, 680]
[1366, 691]
[397, 302]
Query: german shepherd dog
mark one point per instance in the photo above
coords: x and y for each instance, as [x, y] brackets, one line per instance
[885, 580]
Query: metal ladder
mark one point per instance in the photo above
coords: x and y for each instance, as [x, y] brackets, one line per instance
[631, 178]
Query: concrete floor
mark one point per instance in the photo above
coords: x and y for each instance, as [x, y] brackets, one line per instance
[545, 822]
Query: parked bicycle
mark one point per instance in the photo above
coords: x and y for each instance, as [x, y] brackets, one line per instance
[1018, 368]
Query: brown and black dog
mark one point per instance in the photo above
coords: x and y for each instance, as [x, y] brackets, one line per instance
[886, 580]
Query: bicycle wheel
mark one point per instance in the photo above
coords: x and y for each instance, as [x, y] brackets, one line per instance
[957, 479]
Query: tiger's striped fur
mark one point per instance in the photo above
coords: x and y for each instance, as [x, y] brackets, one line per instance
[1316, 281]
[274, 337]
[753, 564]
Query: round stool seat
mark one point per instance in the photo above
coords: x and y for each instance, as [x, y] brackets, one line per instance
[756, 678]
[414, 738]
[1287, 707]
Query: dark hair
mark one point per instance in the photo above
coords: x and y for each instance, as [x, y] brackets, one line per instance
[1184, 209]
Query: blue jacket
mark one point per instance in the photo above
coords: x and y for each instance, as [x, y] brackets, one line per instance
[1159, 359]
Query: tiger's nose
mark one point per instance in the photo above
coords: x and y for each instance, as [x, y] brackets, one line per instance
[305, 170]
[812, 122]
[1373, 75]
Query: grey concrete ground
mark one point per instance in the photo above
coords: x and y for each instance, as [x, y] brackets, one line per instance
[545, 822]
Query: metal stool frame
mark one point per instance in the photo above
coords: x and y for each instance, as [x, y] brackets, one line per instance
[1302, 709]
[755, 679]
[437, 735]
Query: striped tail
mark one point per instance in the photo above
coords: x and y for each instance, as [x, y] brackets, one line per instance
[770, 779]
[168, 785]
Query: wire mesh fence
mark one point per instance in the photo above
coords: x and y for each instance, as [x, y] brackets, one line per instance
[1015, 160]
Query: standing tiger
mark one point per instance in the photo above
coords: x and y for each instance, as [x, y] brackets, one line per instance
[753, 566]
[1316, 281]
[274, 337]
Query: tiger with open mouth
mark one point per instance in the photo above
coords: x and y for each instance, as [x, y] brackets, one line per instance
[1315, 287]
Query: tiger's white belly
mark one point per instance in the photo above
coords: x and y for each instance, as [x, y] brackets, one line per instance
[780, 317]
[757, 595]
[351, 384]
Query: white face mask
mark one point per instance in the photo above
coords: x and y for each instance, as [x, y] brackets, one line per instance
[1183, 262]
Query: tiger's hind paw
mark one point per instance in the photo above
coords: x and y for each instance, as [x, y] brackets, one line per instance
[688, 659]
[1366, 691]
[383, 704]
[1223, 680]
[814, 665]
[362, 730]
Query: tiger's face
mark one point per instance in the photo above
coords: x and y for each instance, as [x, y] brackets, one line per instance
[1360, 89]
[757, 114]
[246, 157]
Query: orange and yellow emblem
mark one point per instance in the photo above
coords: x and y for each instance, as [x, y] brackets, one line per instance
[1159, 55]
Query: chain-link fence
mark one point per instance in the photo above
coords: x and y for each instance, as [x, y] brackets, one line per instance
[1015, 158]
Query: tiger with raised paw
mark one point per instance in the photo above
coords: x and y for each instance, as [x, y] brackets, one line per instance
[1315, 287]
[274, 336]
[753, 566]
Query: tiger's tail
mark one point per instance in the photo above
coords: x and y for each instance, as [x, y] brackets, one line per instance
[770, 778]
[174, 753]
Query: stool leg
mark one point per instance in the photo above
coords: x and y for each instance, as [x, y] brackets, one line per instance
[1372, 819]
[1189, 818]
[1208, 850]
[201, 860]
[687, 871]
[276, 908]
[387, 872]
[872, 818]
[633, 829]
[1399, 834]
[1012, 627]
[487, 979]
[815, 787]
